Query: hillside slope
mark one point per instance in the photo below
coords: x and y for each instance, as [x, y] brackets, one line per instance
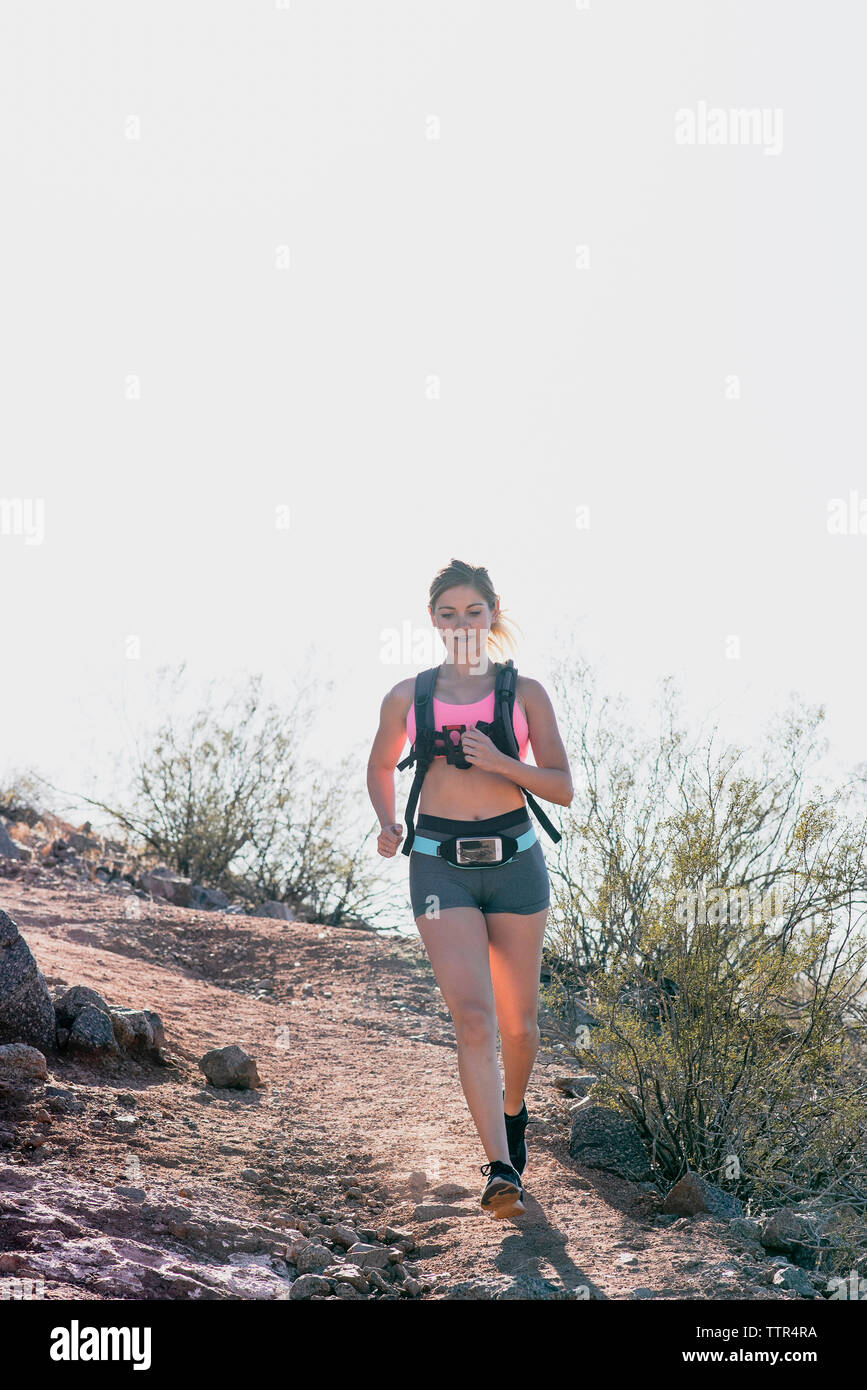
[151, 1183]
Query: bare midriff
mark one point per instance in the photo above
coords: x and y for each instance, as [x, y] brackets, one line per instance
[467, 793]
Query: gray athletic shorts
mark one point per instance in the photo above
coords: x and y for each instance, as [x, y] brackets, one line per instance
[521, 886]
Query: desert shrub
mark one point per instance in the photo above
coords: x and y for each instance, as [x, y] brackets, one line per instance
[223, 793]
[710, 952]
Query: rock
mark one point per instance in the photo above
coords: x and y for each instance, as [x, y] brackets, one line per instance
[157, 1028]
[392, 1235]
[693, 1194]
[92, 1033]
[230, 1066]
[795, 1279]
[312, 1259]
[64, 1102]
[446, 1192]
[436, 1212]
[575, 1085]
[368, 1255]
[15, 810]
[8, 847]
[22, 1062]
[171, 887]
[344, 1290]
[274, 909]
[138, 1031]
[81, 842]
[343, 1235]
[603, 1138]
[786, 1231]
[26, 1010]
[306, 1285]
[839, 1226]
[132, 1030]
[348, 1274]
[68, 1005]
[745, 1227]
[211, 898]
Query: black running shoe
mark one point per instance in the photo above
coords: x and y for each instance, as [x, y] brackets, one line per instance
[515, 1126]
[503, 1195]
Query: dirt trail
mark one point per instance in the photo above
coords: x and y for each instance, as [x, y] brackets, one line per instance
[361, 1117]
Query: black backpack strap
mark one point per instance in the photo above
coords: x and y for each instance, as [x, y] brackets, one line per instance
[423, 748]
[504, 703]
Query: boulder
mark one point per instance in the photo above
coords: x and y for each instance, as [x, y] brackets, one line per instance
[8, 847]
[575, 1085]
[746, 1227]
[274, 909]
[92, 1033]
[365, 1255]
[795, 1280]
[22, 1063]
[81, 842]
[212, 898]
[137, 1031]
[69, 1004]
[170, 887]
[785, 1230]
[309, 1285]
[603, 1138]
[313, 1258]
[133, 1030]
[692, 1194]
[230, 1066]
[26, 1010]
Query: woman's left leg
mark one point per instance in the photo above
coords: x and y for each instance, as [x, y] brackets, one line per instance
[515, 953]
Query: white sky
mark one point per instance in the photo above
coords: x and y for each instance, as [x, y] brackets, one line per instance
[303, 134]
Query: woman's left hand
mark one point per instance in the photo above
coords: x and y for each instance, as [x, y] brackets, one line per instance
[481, 752]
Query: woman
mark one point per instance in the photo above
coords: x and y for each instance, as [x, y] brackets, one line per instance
[482, 926]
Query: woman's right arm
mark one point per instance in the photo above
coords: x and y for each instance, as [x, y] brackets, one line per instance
[387, 747]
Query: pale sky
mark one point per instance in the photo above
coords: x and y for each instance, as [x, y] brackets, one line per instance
[302, 301]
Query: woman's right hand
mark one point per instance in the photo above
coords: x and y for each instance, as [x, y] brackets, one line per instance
[389, 838]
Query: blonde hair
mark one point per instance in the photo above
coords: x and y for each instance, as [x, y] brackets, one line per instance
[500, 636]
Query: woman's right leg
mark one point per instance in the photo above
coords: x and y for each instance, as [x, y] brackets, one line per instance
[456, 942]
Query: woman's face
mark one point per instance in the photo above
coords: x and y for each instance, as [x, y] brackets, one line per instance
[464, 620]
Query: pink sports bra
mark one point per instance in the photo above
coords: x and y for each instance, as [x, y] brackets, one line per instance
[483, 709]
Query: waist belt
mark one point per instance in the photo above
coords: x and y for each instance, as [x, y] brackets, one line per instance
[475, 851]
